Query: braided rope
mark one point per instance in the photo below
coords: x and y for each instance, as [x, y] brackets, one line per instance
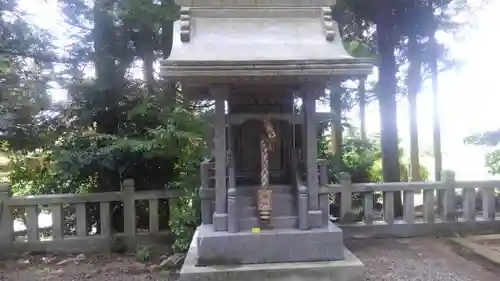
[264, 198]
[264, 163]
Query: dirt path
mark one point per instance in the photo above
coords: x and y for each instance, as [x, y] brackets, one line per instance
[93, 268]
[426, 259]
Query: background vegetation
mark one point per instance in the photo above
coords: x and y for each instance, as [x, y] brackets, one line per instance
[114, 127]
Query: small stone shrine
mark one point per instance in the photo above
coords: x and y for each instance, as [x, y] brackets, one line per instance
[262, 215]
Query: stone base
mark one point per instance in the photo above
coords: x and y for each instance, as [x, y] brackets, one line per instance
[220, 222]
[350, 269]
[268, 246]
[315, 218]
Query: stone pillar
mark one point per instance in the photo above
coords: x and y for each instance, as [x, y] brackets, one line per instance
[309, 100]
[232, 209]
[129, 211]
[220, 215]
[206, 196]
[324, 204]
[302, 207]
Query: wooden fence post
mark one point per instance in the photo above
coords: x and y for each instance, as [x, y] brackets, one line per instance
[488, 199]
[57, 216]
[129, 208]
[450, 208]
[429, 202]
[105, 212]
[389, 207]
[368, 207]
[469, 203]
[345, 194]
[6, 218]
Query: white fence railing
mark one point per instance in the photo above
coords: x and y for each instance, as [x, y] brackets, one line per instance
[469, 206]
[83, 240]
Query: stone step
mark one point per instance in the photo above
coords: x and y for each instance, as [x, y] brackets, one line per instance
[278, 210]
[277, 222]
[252, 189]
[277, 199]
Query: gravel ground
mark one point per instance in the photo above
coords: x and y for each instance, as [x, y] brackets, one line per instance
[418, 259]
[428, 259]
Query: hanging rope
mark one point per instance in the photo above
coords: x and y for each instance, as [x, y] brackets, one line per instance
[264, 194]
[264, 164]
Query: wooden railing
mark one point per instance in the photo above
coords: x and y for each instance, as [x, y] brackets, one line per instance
[84, 240]
[460, 212]
[469, 207]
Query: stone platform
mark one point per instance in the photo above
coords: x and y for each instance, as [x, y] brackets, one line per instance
[269, 246]
[349, 269]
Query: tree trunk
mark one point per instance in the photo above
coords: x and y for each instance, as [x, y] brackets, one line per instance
[387, 100]
[146, 52]
[414, 80]
[362, 107]
[438, 157]
[336, 128]
[107, 82]
[166, 38]
[361, 86]
[148, 70]
[103, 33]
[167, 34]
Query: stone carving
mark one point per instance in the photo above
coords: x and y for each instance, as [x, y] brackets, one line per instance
[271, 135]
[185, 23]
[265, 207]
[328, 28]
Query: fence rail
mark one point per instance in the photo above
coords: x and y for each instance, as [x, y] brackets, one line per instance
[104, 237]
[468, 207]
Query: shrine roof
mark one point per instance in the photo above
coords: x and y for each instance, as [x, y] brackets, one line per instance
[258, 38]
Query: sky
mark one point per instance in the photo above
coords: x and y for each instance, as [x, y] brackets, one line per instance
[467, 99]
